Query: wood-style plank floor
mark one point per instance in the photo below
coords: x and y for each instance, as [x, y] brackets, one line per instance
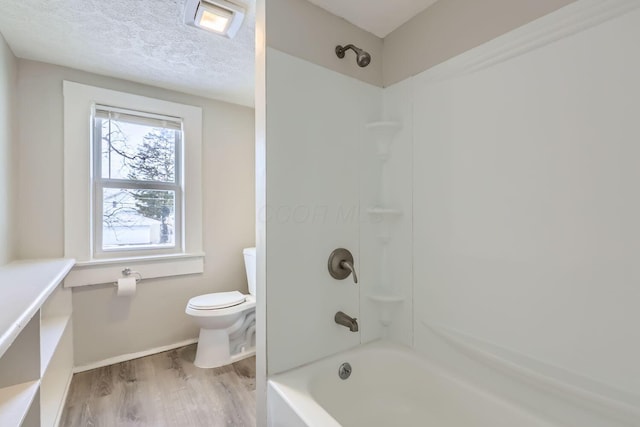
[163, 390]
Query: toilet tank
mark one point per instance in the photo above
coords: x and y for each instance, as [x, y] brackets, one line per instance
[250, 267]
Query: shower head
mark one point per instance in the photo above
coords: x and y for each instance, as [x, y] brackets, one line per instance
[363, 58]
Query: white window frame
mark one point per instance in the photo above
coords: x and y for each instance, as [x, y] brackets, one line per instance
[101, 183]
[93, 267]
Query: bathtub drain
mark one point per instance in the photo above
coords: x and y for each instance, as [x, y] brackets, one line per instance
[344, 371]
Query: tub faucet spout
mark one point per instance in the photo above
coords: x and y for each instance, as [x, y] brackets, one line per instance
[346, 320]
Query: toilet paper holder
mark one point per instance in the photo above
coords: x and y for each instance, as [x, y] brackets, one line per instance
[128, 272]
[126, 285]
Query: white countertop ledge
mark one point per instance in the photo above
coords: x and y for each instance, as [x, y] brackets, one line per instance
[24, 287]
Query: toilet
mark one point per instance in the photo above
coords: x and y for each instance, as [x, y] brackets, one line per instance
[227, 321]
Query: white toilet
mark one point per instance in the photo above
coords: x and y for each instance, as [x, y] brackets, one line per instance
[227, 321]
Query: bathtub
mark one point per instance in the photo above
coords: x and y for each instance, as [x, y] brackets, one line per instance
[389, 386]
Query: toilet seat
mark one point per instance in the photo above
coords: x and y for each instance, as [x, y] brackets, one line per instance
[216, 301]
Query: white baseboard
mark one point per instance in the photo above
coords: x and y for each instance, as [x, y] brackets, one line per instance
[131, 356]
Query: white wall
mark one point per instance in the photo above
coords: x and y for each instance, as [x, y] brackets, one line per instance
[106, 326]
[315, 125]
[8, 142]
[525, 181]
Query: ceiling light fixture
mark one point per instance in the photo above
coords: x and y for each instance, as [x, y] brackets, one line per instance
[218, 16]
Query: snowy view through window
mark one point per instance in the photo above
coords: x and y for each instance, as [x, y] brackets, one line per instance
[137, 181]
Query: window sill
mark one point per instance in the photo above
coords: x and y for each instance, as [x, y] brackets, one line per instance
[99, 271]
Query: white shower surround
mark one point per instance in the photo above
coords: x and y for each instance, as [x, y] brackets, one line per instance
[315, 124]
[525, 201]
[509, 290]
[523, 185]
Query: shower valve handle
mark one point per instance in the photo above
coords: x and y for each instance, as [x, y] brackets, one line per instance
[341, 265]
[348, 265]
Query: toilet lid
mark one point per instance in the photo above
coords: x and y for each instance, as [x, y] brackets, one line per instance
[217, 300]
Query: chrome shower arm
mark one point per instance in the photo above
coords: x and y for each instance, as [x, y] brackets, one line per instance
[340, 50]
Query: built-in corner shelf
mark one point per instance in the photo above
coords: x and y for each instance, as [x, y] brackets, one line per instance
[387, 299]
[387, 304]
[383, 133]
[15, 402]
[383, 217]
[386, 214]
[36, 348]
[384, 127]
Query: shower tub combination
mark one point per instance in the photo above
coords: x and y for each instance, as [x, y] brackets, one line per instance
[388, 385]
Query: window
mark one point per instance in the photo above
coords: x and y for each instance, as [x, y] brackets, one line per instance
[137, 185]
[132, 186]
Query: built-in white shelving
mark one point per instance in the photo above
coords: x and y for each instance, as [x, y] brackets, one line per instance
[15, 402]
[24, 288]
[36, 348]
[51, 331]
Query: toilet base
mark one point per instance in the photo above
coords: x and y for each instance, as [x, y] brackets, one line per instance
[213, 349]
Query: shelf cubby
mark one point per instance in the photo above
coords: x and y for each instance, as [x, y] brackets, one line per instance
[16, 401]
[36, 347]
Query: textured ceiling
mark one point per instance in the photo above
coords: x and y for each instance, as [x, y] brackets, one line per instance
[379, 17]
[144, 41]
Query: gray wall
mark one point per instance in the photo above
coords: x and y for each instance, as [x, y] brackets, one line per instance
[442, 31]
[451, 27]
[8, 79]
[309, 32]
[106, 326]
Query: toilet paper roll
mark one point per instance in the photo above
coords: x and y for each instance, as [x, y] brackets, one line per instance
[126, 286]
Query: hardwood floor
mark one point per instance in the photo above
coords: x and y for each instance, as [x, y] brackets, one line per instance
[163, 390]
